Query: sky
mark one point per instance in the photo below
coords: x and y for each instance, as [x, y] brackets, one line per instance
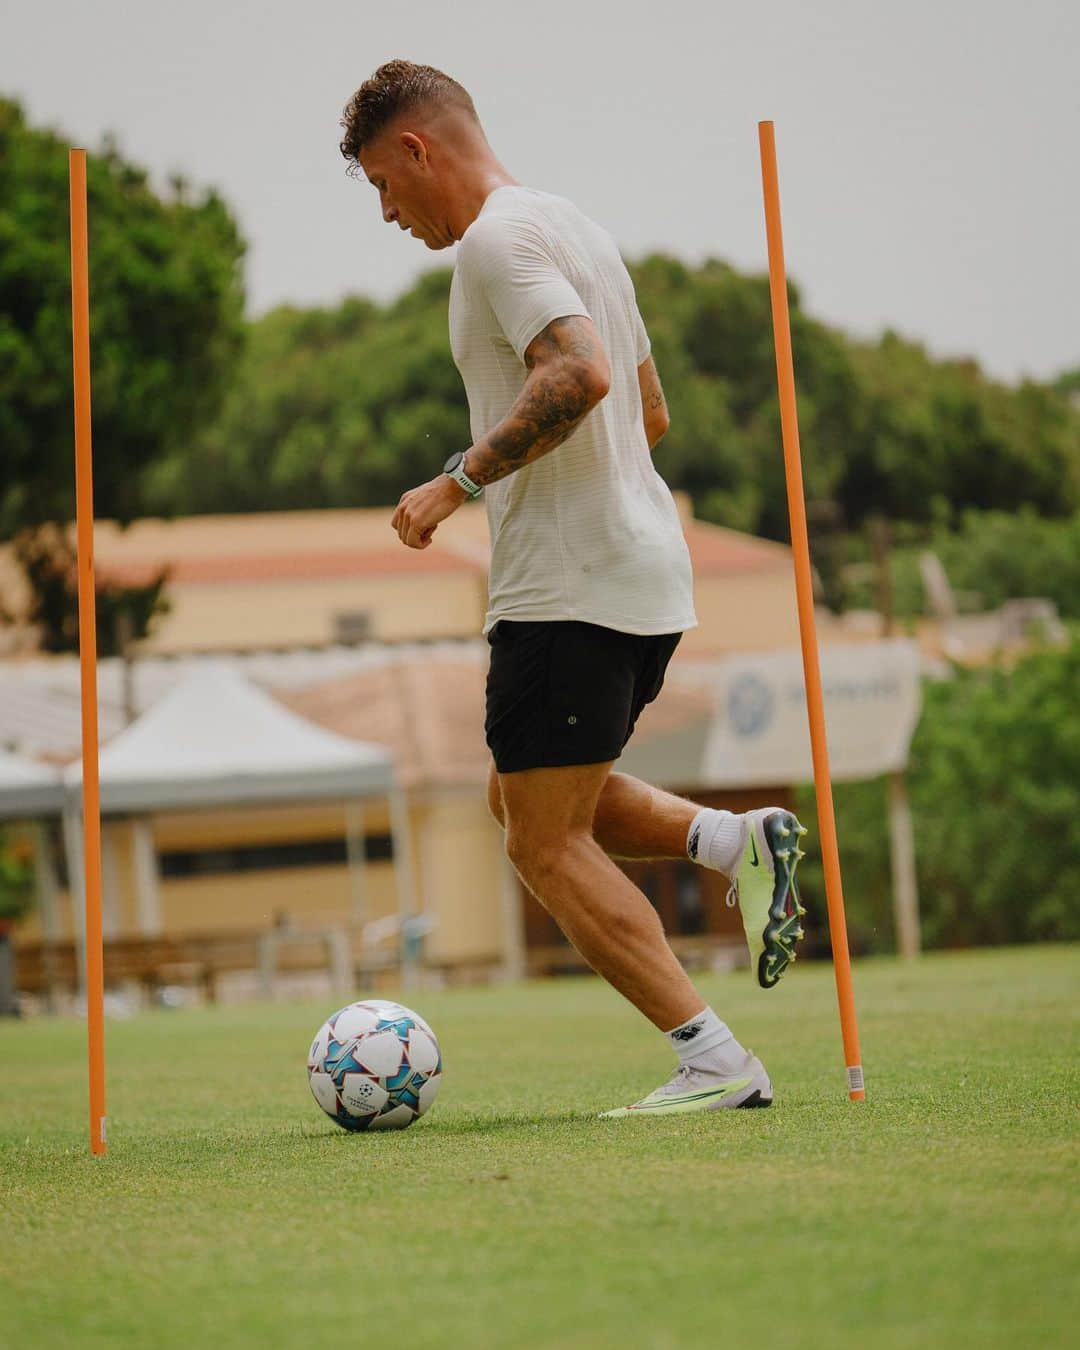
[927, 151]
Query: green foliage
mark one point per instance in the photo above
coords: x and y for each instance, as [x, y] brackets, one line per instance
[991, 557]
[339, 407]
[354, 405]
[16, 881]
[166, 302]
[994, 784]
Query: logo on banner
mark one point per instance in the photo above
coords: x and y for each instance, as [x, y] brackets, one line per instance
[750, 705]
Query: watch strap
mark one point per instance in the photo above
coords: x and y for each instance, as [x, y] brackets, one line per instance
[463, 480]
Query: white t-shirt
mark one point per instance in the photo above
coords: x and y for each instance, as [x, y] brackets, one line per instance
[590, 530]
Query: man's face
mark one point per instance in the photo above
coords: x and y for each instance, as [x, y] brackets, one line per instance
[398, 166]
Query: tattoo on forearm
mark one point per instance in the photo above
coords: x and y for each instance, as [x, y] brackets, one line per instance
[554, 402]
[656, 399]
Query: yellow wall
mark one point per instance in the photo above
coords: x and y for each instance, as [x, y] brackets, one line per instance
[230, 616]
[457, 862]
[461, 874]
[263, 825]
[751, 611]
[309, 897]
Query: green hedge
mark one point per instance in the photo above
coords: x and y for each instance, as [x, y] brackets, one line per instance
[994, 783]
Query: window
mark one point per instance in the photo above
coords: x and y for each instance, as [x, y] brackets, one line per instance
[270, 857]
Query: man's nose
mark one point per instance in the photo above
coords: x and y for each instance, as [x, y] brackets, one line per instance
[389, 213]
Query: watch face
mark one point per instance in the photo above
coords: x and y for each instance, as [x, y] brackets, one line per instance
[454, 462]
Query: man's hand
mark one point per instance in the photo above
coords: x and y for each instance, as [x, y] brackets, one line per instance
[420, 510]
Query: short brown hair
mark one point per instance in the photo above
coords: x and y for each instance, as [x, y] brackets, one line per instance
[396, 87]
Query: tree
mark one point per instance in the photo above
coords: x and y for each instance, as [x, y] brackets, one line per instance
[994, 782]
[341, 407]
[166, 301]
[352, 405]
[166, 309]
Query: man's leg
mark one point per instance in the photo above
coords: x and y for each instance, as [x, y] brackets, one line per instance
[636, 820]
[758, 851]
[548, 815]
[632, 819]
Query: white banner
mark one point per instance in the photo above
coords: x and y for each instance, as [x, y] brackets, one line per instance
[760, 733]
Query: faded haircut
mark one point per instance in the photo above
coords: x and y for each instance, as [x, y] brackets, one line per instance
[396, 87]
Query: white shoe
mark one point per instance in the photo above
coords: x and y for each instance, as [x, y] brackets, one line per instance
[698, 1090]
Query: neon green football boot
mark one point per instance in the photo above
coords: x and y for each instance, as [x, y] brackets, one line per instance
[767, 895]
[692, 1090]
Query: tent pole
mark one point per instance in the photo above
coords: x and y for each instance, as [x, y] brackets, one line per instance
[356, 853]
[47, 888]
[73, 855]
[147, 891]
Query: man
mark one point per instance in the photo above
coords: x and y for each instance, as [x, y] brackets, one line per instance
[590, 585]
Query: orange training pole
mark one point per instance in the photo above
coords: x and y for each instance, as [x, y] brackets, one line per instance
[84, 515]
[800, 544]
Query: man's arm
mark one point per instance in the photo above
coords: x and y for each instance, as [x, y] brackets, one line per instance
[653, 405]
[568, 376]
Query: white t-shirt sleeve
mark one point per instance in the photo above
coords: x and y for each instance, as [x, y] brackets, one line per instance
[511, 263]
[641, 338]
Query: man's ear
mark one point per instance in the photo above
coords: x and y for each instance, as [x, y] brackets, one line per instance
[414, 148]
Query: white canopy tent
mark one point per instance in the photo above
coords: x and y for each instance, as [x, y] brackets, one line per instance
[28, 789]
[217, 740]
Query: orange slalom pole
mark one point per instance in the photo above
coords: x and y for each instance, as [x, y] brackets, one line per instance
[84, 516]
[800, 544]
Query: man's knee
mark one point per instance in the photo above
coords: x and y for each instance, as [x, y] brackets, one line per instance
[541, 860]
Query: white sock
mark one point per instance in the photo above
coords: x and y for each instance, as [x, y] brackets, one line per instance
[716, 839]
[706, 1044]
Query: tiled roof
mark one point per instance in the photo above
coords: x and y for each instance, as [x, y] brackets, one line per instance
[714, 549]
[429, 712]
[424, 703]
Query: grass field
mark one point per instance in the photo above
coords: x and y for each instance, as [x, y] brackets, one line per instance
[230, 1212]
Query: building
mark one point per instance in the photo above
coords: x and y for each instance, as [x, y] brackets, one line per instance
[343, 626]
[282, 580]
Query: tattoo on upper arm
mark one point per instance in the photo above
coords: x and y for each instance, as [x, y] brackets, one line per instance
[569, 337]
[555, 400]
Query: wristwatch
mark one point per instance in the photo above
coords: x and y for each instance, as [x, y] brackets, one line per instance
[455, 467]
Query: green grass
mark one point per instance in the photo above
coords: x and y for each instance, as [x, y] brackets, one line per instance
[230, 1212]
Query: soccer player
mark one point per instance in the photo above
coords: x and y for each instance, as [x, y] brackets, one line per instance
[590, 584]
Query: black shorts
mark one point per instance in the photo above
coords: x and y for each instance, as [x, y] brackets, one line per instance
[564, 692]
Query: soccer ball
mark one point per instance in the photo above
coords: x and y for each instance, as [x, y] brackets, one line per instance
[374, 1066]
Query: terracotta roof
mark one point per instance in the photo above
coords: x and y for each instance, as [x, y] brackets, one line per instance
[716, 549]
[429, 712]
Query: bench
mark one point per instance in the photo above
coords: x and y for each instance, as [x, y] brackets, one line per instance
[46, 968]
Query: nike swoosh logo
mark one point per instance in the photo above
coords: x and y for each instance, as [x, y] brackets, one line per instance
[753, 848]
[661, 1103]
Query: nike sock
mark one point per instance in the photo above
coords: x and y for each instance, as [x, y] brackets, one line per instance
[707, 1044]
[716, 839]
